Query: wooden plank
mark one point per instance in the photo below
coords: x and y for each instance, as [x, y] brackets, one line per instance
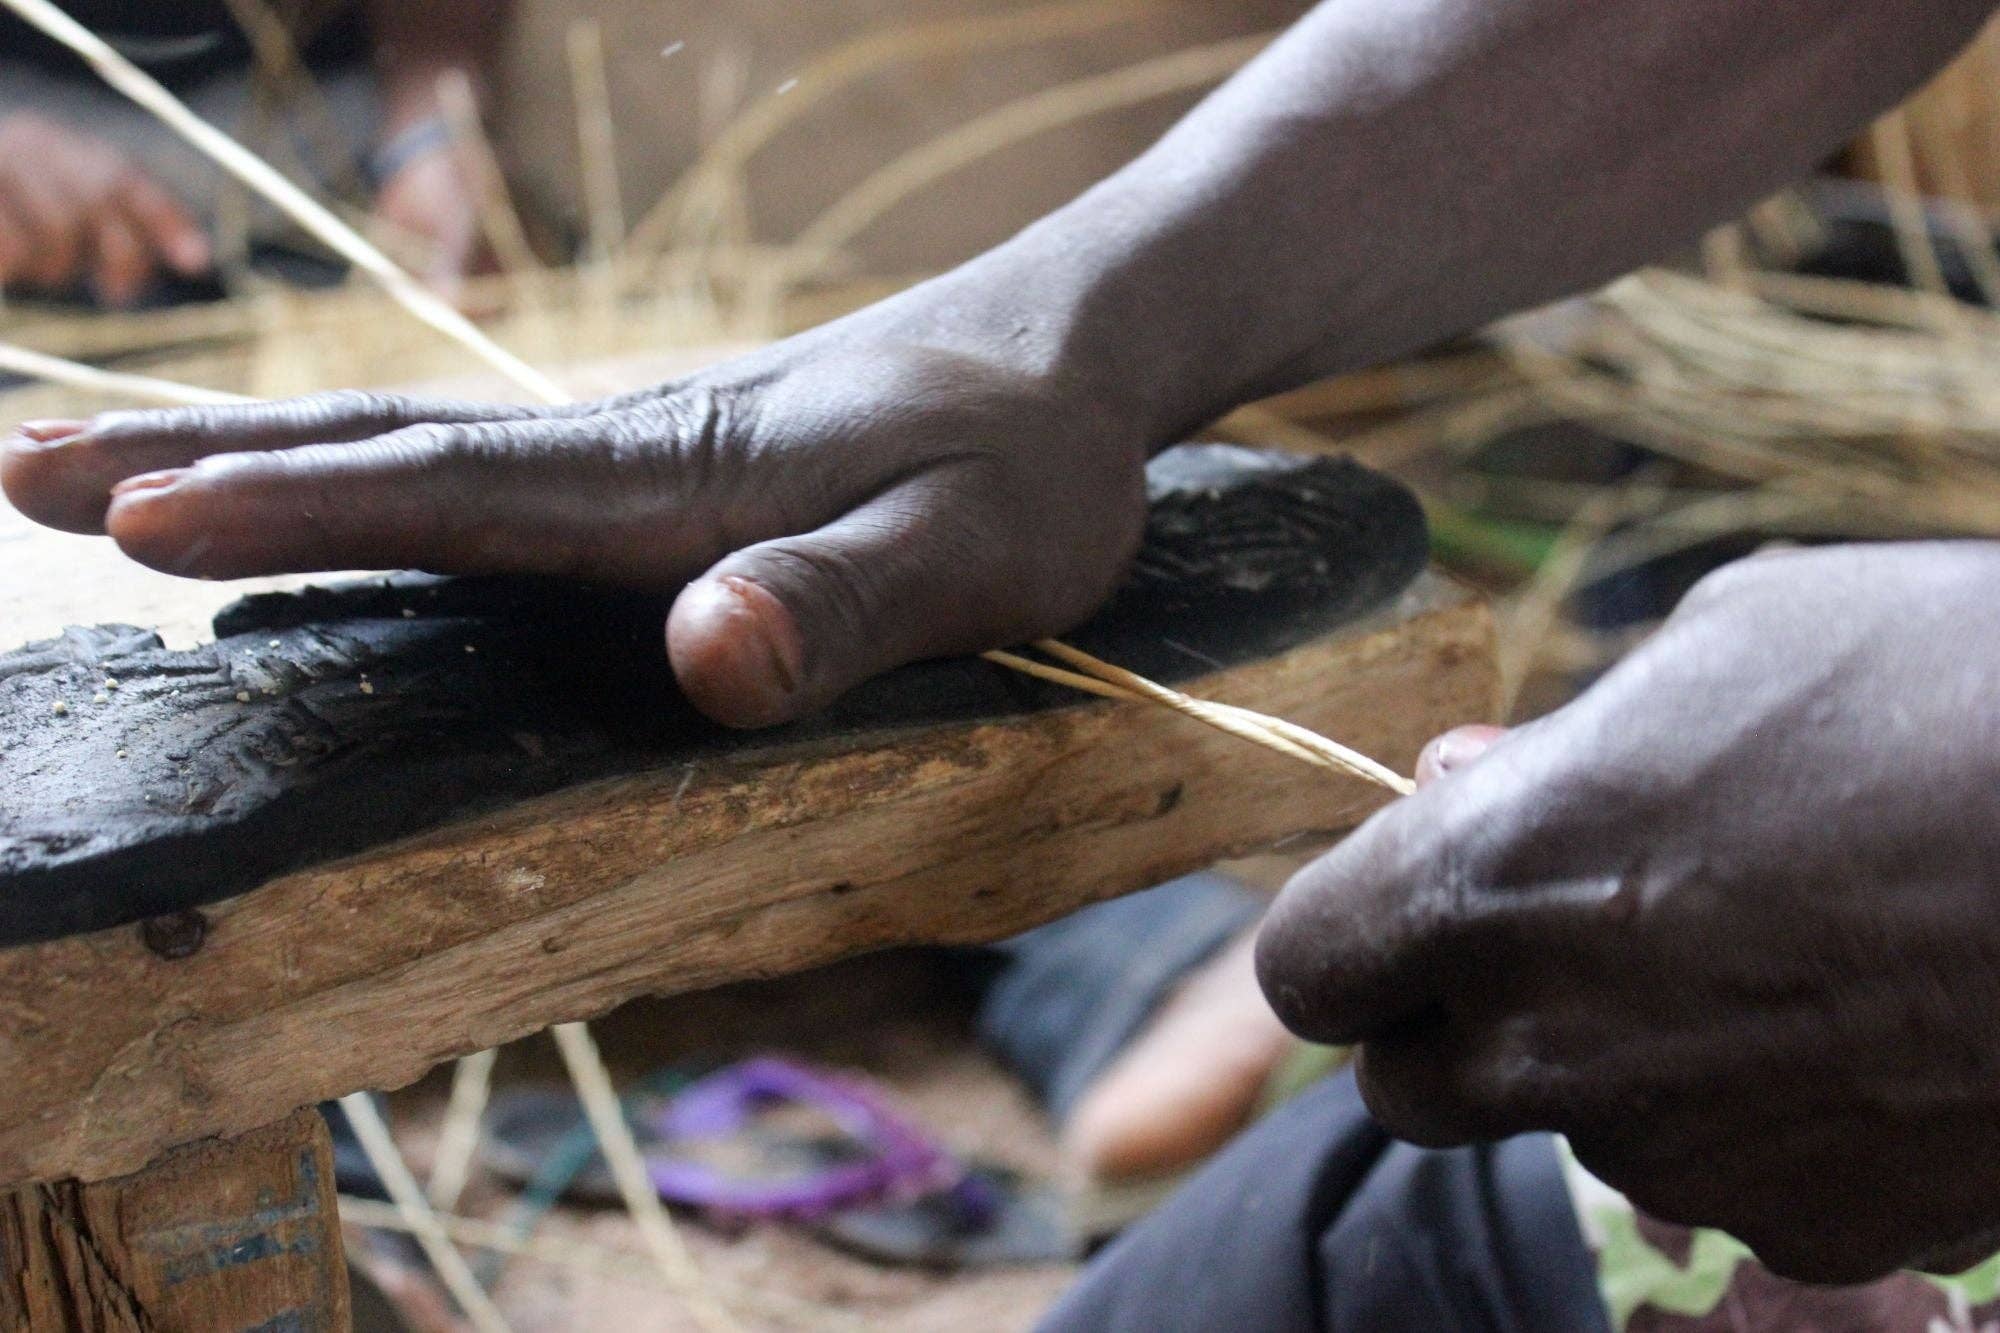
[217, 1237]
[146, 782]
[366, 972]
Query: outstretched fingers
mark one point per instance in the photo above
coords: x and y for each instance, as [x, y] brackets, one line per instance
[62, 473]
[473, 498]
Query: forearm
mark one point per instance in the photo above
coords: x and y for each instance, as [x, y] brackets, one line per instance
[1390, 174]
[417, 44]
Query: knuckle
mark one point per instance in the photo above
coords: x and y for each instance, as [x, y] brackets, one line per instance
[1325, 984]
[170, 423]
[1412, 1090]
[704, 440]
[1510, 1079]
[1503, 1089]
[363, 405]
[840, 591]
[242, 468]
[695, 426]
[1351, 932]
[447, 446]
[357, 402]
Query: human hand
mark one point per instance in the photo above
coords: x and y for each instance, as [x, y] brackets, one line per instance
[1730, 921]
[844, 502]
[74, 209]
[431, 207]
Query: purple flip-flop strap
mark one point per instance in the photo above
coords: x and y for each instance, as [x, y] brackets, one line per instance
[902, 1162]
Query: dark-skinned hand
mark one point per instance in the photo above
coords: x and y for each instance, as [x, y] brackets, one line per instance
[1730, 921]
[838, 512]
[1727, 921]
[74, 209]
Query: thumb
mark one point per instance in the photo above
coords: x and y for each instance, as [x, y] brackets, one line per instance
[1351, 949]
[1454, 750]
[781, 628]
[1342, 953]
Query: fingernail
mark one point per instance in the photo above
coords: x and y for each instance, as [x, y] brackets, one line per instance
[1455, 749]
[736, 651]
[769, 620]
[48, 432]
[150, 481]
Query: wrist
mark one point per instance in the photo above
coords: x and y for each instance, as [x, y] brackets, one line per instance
[411, 144]
[1149, 301]
[412, 92]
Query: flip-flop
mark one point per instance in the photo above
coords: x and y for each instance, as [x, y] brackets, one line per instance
[874, 1156]
[995, 1218]
[880, 1186]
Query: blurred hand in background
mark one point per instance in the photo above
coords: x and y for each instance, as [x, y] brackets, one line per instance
[79, 212]
[429, 206]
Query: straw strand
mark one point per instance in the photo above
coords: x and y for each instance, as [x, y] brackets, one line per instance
[1095, 676]
[635, 1186]
[259, 176]
[380, 1149]
[23, 361]
[458, 1141]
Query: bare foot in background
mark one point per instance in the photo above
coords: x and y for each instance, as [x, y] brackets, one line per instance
[1192, 1078]
[1197, 1073]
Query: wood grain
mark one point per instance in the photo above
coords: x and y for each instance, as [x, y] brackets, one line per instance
[218, 1236]
[366, 972]
[145, 782]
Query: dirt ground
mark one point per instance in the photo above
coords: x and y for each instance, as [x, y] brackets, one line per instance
[902, 1021]
[894, 1020]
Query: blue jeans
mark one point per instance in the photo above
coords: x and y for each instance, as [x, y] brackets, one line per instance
[1316, 1221]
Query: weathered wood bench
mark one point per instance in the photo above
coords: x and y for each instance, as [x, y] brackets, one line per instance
[370, 830]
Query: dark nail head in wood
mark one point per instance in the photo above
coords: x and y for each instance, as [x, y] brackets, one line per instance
[175, 935]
